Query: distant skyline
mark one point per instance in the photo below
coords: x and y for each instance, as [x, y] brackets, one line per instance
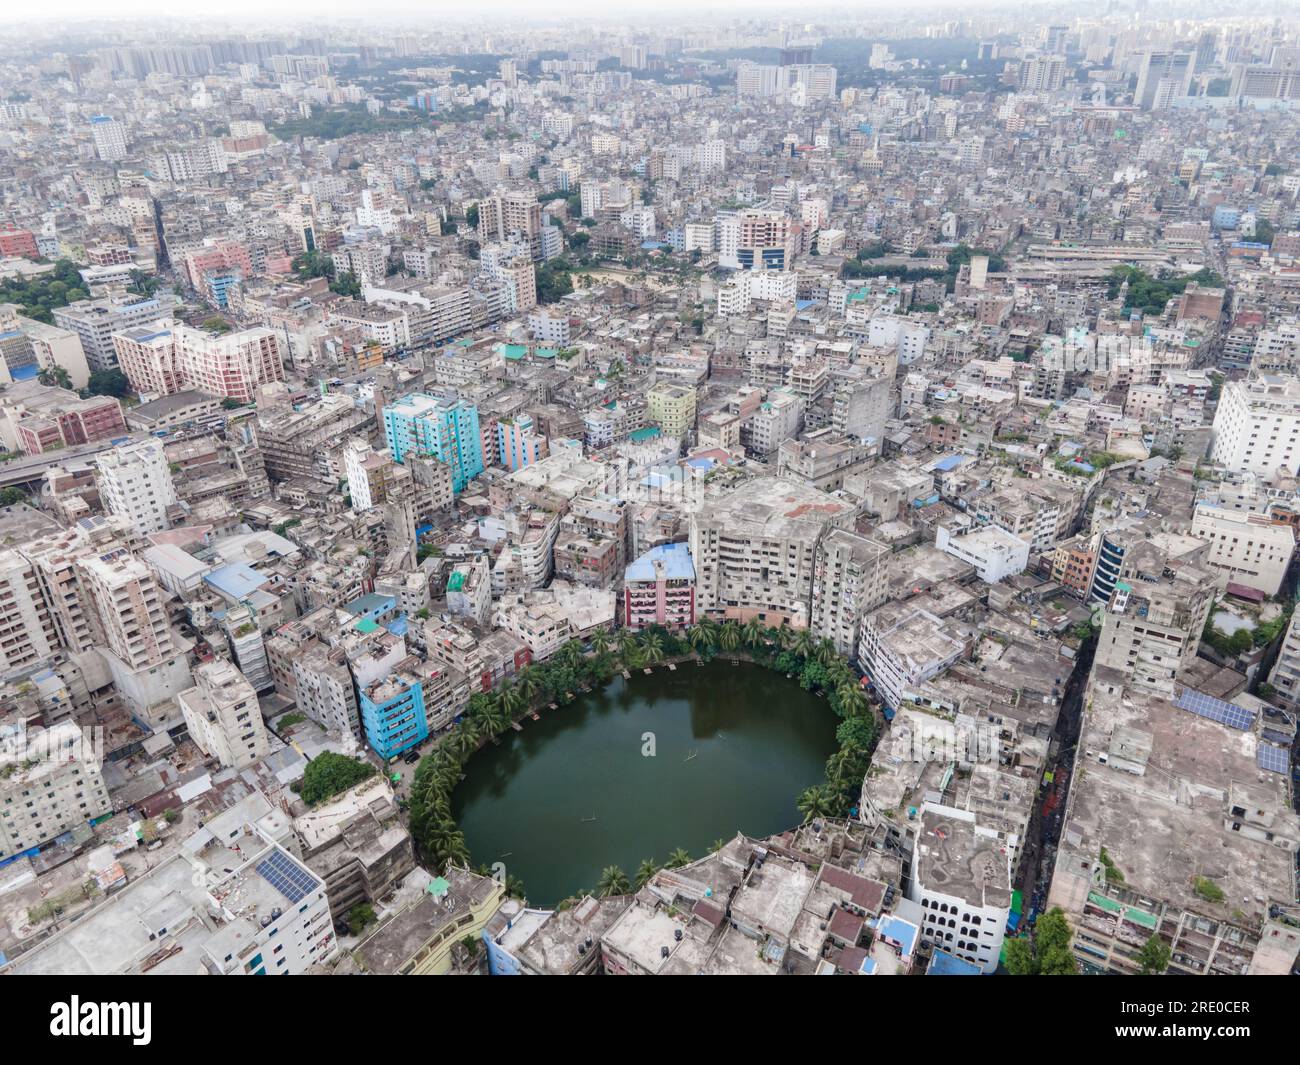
[422, 10]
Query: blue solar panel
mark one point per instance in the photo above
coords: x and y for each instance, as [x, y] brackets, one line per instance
[1273, 759]
[1208, 706]
[291, 880]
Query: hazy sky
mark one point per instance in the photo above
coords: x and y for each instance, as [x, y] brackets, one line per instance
[43, 10]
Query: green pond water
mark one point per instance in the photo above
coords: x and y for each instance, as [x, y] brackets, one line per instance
[573, 792]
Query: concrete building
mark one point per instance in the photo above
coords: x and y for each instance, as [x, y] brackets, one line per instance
[903, 645]
[51, 784]
[1214, 877]
[223, 716]
[136, 484]
[659, 589]
[755, 550]
[1251, 549]
[993, 551]
[849, 582]
[1257, 425]
[443, 426]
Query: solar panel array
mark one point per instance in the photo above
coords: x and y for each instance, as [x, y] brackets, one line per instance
[1273, 759]
[1208, 706]
[291, 880]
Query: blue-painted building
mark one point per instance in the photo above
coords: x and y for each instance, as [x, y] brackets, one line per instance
[393, 714]
[444, 426]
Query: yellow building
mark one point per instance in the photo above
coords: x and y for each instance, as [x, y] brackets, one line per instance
[672, 408]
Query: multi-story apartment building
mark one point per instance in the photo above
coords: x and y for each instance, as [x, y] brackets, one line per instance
[223, 717]
[848, 583]
[162, 359]
[755, 550]
[659, 588]
[672, 408]
[50, 783]
[136, 484]
[1254, 550]
[95, 322]
[443, 426]
[1257, 425]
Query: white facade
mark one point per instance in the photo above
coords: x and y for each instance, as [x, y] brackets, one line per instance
[1250, 548]
[136, 484]
[1257, 425]
[994, 552]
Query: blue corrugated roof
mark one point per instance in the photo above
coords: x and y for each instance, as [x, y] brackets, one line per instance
[676, 559]
[236, 581]
[949, 462]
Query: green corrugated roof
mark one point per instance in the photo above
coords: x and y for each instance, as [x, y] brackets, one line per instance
[1109, 905]
[1146, 920]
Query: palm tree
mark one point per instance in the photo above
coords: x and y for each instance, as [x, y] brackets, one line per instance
[652, 647]
[729, 637]
[645, 871]
[700, 637]
[816, 801]
[600, 642]
[825, 652]
[571, 654]
[465, 740]
[678, 857]
[753, 632]
[627, 645]
[515, 888]
[803, 643]
[528, 682]
[511, 700]
[717, 845]
[613, 881]
[852, 701]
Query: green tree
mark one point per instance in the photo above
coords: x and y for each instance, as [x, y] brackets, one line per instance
[108, 383]
[645, 871]
[329, 773]
[1047, 952]
[359, 916]
[678, 857]
[613, 881]
[1154, 956]
[12, 496]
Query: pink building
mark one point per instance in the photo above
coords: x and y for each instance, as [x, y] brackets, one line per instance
[659, 589]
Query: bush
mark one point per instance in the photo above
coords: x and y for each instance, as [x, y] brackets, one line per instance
[329, 774]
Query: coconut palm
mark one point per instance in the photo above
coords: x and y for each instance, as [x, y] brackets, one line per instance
[700, 638]
[652, 647]
[678, 857]
[852, 701]
[465, 740]
[627, 646]
[600, 642]
[510, 700]
[817, 801]
[803, 643]
[645, 871]
[571, 654]
[729, 636]
[528, 683]
[515, 888]
[753, 633]
[825, 652]
[613, 881]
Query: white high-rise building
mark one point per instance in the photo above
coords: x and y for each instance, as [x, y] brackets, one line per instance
[223, 717]
[136, 484]
[110, 138]
[1257, 425]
